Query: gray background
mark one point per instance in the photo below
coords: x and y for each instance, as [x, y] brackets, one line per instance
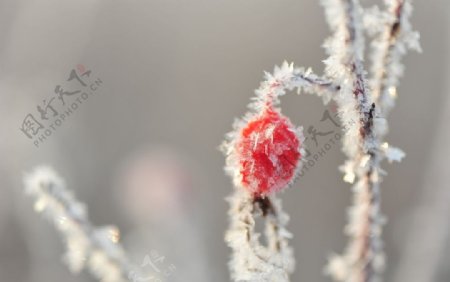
[175, 75]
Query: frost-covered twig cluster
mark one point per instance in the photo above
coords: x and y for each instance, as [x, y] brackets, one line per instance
[94, 248]
[363, 259]
[258, 170]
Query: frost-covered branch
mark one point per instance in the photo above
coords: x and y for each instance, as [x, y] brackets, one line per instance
[288, 77]
[251, 260]
[363, 144]
[363, 259]
[87, 246]
[390, 44]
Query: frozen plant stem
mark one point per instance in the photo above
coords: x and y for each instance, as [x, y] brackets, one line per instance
[364, 256]
[252, 261]
[87, 246]
[363, 260]
[388, 47]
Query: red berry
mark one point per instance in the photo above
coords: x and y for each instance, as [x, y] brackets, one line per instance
[268, 152]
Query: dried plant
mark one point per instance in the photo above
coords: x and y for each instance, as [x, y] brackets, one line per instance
[264, 151]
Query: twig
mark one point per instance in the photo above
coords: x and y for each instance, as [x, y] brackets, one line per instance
[97, 249]
[251, 260]
[364, 257]
[388, 47]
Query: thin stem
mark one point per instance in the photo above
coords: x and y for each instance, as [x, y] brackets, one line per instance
[88, 246]
[251, 260]
[360, 145]
[384, 51]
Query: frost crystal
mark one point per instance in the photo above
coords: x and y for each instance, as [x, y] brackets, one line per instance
[392, 154]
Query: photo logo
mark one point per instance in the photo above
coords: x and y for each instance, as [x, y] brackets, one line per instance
[53, 112]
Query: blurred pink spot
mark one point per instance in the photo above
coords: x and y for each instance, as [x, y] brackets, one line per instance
[155, 185]
[81, 68]
[333, 107]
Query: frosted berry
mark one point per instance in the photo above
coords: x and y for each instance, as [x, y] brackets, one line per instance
[268, 152]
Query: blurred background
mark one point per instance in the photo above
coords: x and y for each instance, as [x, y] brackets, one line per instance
[141, 149]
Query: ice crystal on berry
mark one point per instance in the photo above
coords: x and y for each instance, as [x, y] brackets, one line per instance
[268, 152]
